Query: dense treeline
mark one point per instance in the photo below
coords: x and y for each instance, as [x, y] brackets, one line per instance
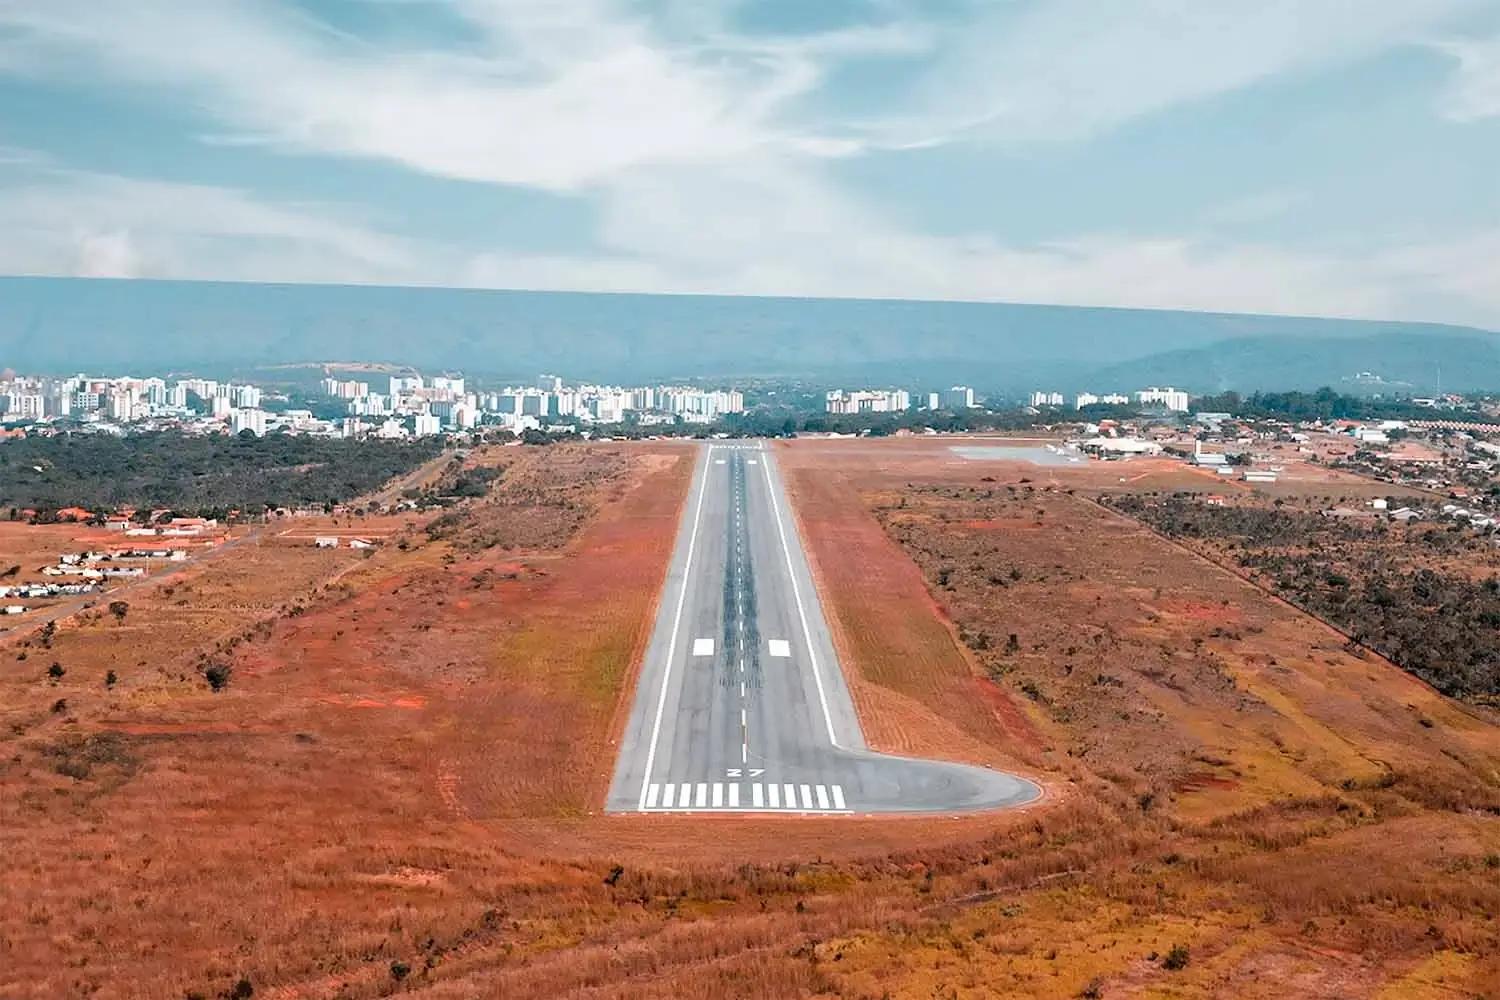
[200, 475]
[1375, 582]
[1324, 404]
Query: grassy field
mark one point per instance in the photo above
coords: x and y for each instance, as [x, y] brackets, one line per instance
[397, 792]
[1288, 810]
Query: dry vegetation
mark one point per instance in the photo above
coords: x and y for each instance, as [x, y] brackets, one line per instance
[1425, 595]
[1301, 811]
[396, 791]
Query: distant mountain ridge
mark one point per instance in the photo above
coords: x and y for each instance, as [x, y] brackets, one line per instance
[1426, 361]
[70, 324]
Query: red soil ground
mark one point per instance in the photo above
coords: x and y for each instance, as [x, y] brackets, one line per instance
[398, 790]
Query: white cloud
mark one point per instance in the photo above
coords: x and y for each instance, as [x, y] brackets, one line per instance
[562, 95]
[773, 232]
[100, 225]
[684, 135]
[784, 231]
[1033, 71]
[107, 255]
[1474, 92]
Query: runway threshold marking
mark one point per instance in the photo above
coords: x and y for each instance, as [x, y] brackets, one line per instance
[726, 797]
[661, 700]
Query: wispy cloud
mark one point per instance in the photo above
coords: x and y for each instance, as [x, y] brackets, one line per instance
[706, 148]
[1068, 69]
[68, 222]
[1474, 92]
[559, 95]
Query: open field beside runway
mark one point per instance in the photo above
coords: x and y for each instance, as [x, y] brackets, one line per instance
[406, 775]
[1177, 698]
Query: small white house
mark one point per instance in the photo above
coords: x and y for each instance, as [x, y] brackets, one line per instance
[15, 609]
[326, 542]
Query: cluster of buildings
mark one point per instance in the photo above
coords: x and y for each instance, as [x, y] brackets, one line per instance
[845, 401]
[78, 573]
[1167, 398]
[417, 406]
[404, 405]
[123, 400]
[112, 403]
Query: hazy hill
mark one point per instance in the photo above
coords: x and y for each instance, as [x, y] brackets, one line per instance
[67, 324]
[1424, 358]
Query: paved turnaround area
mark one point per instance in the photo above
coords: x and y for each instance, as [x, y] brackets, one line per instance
[742, 705]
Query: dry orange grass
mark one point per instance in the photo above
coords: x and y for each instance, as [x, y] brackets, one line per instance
[396, 794]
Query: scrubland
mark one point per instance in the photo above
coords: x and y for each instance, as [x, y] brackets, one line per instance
[397, 790]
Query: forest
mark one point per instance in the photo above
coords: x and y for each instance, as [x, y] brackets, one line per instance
[204, 475]
[1407, 592]
[1323, 404]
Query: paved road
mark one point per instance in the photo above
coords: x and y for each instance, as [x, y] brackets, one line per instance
[742, 706]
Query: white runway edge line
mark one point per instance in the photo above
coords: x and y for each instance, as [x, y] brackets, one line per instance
[812, 655]
[687, 569]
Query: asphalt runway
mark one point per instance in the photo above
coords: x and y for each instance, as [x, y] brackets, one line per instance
[741, 704]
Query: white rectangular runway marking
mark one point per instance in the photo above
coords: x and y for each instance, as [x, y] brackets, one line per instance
[780, 647]
[757, 796]
[703, 647]
[822, 797]
[666, 795]
[749, 461]
[702, 794]
[718, 461]
[734, 795]
[806, 797]
[838, 796]
[775, 796]
[718, 794]
[791, 796]
[651, 793]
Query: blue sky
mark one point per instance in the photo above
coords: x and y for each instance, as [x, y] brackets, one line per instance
[1328, 157]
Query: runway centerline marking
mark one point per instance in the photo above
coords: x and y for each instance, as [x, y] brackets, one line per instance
[687, 570]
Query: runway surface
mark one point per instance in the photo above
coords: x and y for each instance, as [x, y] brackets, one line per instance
[741, 704]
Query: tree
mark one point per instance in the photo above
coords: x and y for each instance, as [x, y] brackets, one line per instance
[119, 609]
[56, 671]
[218, 675]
